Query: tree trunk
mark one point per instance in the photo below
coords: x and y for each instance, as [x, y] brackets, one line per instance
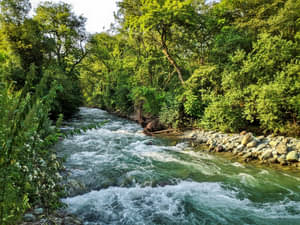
[173, 63]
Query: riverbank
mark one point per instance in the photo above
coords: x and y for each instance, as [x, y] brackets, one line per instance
[246, 147]
[284, 151]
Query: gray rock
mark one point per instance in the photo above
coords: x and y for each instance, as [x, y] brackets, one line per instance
[252, 144]
[292, 156]
[28, 217]
[38, 211]
[240, 148]
[266, 154]
[247, 138]
[260, 147]
[282, 148]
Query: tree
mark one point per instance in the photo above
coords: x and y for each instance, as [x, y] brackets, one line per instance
[23, 36]
[65, 32]
[159, 22]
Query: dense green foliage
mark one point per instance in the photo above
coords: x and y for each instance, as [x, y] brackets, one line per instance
[29, 172]
[39, 58]
[229, 65]
[51, 41]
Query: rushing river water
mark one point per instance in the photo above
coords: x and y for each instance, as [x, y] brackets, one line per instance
[129, 178]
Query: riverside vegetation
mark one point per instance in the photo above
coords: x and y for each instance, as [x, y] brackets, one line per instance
[229, 66]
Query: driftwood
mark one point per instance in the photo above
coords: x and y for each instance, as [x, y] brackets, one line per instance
[163, 131]
[172, 131]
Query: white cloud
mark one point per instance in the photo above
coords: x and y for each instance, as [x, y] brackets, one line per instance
[99, 13]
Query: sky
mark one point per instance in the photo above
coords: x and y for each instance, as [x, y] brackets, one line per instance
[99, 13]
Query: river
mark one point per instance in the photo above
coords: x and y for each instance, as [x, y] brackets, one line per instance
[132, 179]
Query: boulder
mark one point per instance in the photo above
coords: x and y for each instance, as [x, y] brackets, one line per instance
[266, 154]
[28, 217]
[261, 147]
[247, 138]
[38, 211]
[273, 143]
[252, 144]
[240, 148]
[282, 148]
[292, 156]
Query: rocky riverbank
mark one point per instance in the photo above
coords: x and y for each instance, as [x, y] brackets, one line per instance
[247, 147]
[39, 216]
[270, 149]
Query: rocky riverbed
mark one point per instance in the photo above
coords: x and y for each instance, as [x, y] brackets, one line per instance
[247, 147]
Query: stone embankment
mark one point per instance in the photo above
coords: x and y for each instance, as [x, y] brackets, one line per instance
[271, 149]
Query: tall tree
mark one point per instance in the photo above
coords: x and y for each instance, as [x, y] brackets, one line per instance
[66, 33]
[23, 35]
[160, 22]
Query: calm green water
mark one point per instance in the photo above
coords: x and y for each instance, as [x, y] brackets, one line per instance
[133, 179]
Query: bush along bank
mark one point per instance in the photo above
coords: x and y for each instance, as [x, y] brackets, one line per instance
[247, 147]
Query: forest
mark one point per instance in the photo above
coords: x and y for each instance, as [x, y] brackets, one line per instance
[231, 65]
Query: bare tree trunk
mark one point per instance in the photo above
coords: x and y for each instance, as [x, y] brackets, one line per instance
[173, 63]
[163, 36]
